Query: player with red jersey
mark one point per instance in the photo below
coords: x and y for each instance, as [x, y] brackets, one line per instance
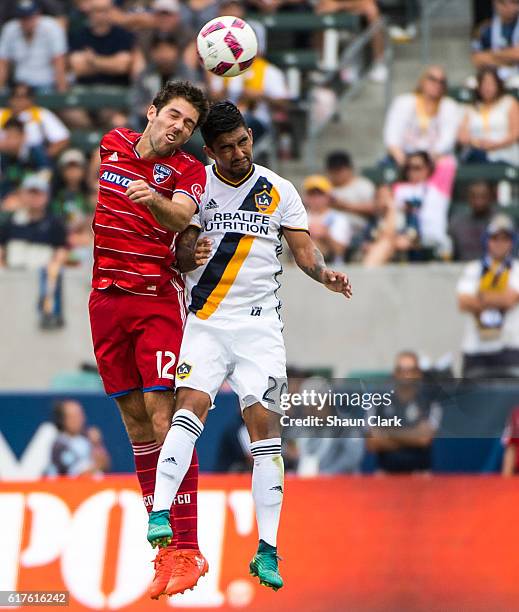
[148, 191]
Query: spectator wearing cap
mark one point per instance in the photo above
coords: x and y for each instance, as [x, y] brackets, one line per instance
[329, 229]
[102, 53]
[33, 238]
[17, 160]
[426, 120]
[467, 228]
[488, 295]
[497, 42]
[71, 201]
[352, 194]
[42, 127]
[34, 46]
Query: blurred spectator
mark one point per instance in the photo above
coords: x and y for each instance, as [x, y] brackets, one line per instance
[510, 441]
[490, 128]
[488, 294]
[34, 46]
[351, 194]
[467, 228]
[426, 120]
[370, 11]
[32, 237]
[101, 53]
[71, 200]
[17, 159]
[482, 10]
[330, 455]
[413, 221]
[76, 452]
[196, 13]
[329, 229]
[385, 236]
[42, 127]
[166, 64]
[424, 196]
[272, 6]
[407, 448]
[261, 91]
[233, 452]
[496, 42]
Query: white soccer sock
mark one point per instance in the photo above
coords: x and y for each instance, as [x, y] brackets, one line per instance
[267, 486]
[175, 457]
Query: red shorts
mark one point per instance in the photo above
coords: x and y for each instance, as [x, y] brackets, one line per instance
[136, 339]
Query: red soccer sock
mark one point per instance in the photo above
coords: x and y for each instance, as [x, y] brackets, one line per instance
[146, 456]
[184, 511]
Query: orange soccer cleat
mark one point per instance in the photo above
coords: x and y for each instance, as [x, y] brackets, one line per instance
[164, 564]
[189, 566]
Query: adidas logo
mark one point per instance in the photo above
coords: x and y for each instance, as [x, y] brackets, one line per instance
[113, 157]
[170, 460]
[277, 488]
[211, 204]
[199, 562]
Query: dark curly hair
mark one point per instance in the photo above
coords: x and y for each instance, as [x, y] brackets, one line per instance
[183, 89]
[223, 117]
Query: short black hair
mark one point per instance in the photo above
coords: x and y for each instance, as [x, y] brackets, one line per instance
[223, 117]
[14, 124]
[339, 159]
[28, 90]
[186, 90]
[424, 156]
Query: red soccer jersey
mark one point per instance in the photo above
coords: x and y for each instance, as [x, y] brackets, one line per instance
[511, 434]
[131, 250]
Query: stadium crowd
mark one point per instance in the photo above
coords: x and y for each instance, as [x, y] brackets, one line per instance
[48, 175]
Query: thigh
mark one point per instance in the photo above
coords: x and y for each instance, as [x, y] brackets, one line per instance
[205, 358]
[156, 329]
[112, 342]
[259, 374]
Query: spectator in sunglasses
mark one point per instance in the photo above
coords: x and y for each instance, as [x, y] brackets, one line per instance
[426, 120]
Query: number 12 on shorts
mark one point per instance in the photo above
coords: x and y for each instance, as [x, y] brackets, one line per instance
[164, 369]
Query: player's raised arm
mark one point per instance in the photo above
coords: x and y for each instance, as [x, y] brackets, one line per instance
[192, 252]
[311, 261]
[173, 215]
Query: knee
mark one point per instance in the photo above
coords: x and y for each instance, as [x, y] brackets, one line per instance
[138, 428]
[199, 409]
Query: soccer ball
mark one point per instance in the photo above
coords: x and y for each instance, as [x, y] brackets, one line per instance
[227, 46]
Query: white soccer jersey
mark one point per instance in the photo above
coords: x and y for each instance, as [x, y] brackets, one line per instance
[244, 220]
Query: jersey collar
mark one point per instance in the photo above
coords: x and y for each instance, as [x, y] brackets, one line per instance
[232, 183]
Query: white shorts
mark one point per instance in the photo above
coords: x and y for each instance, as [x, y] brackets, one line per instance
[249, 354]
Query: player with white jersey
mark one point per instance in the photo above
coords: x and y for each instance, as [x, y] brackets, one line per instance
[233, 329]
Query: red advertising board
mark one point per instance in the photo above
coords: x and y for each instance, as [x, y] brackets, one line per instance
[359, 544]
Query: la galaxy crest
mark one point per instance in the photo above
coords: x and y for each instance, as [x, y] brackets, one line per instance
[161, 173]
[263, 200]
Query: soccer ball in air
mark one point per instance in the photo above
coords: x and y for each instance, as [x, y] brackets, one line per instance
[227, 46]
